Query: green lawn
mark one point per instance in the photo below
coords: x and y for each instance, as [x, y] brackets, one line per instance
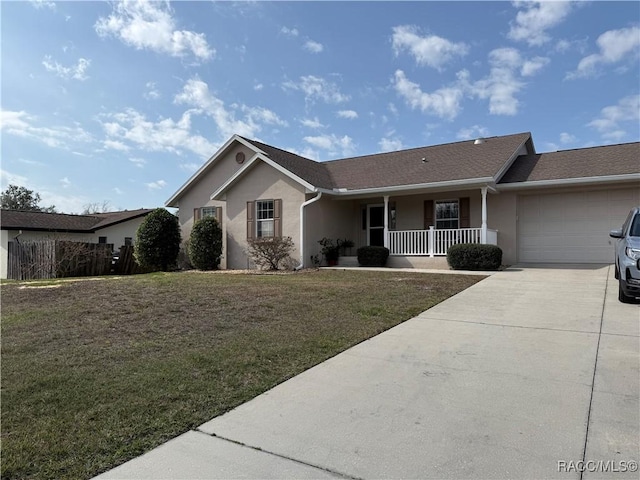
[96, 372]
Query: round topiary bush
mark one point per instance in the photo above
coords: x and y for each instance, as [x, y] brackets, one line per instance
[158, 240]
[205, 244]
[471, 256]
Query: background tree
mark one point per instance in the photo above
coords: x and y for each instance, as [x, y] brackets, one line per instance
[158, 240]
[21, 198]
[97, 207]
[205, 244]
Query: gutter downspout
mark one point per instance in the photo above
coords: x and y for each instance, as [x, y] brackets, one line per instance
[304, 204]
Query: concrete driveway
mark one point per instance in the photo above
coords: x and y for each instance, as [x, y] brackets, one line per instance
[527, 374]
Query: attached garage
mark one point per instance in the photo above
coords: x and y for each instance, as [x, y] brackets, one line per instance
[571, 227]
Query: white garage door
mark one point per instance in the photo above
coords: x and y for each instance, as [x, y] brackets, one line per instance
[571, 227]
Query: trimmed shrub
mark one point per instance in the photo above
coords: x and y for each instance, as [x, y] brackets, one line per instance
[158, 240]
[373, 256]
[205, 244]
[271, 253]
[471, 256]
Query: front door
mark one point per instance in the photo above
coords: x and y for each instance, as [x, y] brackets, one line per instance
[375, 232]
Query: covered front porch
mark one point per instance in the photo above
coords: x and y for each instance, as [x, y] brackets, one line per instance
[446, 222]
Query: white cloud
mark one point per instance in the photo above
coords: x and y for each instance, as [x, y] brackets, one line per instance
[43, 4]
[77, 71]
[535, 18]
[65, 182]
[444, 102]
[567, 138]
[311, 123]
[257, 87]
[115, 145]
[21, 124]
[8, 178]
[164, 135]
[390, 144]
[316, 88]
[313, 47]
[349, 114]
[150, 25]
[472, 132]
[502, 84]
[138, 162]
[196, 93]
[189, 167]
[531, 67]
[615, 46]
[118, 191]
[31, 162]
[157, 185]
[289, 32]
[611, 117]
[332, 144]
[152, 92]
[430, 50]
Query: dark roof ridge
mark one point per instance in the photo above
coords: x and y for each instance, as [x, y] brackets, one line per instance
[88, 215]
[423, 147]
[279, 149]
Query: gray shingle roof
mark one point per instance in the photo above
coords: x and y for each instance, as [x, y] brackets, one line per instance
[62, 222]
[601, 161]
[452, 161]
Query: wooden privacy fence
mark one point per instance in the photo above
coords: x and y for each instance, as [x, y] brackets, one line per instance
[37, 259]
[126, 263]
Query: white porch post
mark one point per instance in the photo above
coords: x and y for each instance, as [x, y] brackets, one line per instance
[431, 240]
[483, 231]
[386, 221]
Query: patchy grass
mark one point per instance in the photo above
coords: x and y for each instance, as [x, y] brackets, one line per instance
[95, 373]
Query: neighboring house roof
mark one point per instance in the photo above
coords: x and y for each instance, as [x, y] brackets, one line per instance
[62, 222]
[603, 161]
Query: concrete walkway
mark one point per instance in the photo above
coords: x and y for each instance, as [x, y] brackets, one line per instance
[523, 375]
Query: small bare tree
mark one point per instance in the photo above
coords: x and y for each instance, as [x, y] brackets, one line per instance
[97, 207]
[271, 252]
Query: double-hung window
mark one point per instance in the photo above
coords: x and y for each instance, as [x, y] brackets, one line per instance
[265, 218]
[447, 214]
[208, 212]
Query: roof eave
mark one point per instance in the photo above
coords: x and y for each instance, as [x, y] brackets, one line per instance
[172, 202]
[507, 165]
[448, 184]
[560, 182]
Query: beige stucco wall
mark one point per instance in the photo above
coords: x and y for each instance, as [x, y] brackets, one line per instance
[198, 194]
[502, 216]
[329, 217]
[261, 182]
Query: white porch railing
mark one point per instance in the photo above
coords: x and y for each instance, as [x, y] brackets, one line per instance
[434, 242]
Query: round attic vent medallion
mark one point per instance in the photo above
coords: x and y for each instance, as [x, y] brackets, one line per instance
[240, 157]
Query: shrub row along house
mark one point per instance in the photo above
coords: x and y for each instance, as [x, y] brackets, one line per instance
[549, 207]
[117, 228]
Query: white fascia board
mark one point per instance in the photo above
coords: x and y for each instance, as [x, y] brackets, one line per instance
[212, 160]
[451, 184]
[561, 182]
[260, 156]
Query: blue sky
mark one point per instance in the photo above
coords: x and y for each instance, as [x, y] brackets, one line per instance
[123, 101]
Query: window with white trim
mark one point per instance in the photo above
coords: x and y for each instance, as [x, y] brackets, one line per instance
[265, 218]
[208, 212]
[447, 214]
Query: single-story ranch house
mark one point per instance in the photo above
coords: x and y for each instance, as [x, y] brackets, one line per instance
[117, 228]
[538, 207]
